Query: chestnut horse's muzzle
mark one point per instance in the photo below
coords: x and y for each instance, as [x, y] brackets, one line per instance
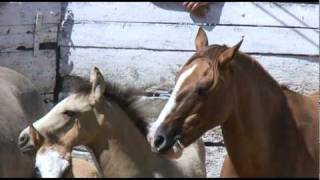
[165, 139]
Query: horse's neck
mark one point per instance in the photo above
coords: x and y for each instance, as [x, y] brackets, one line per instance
[256, 93]
[120, 148]
[261, 122]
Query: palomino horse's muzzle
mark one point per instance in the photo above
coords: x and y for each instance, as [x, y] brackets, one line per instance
[23, 140]
[25, 144]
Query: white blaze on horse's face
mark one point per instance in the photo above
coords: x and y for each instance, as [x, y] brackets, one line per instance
[170, 104]
[51, 164]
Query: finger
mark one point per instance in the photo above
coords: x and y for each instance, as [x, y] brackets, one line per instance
[185, 4]
[189, 6]
[199, 4]
[195, 6]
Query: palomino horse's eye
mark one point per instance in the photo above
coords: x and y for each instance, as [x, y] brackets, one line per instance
[70, 113]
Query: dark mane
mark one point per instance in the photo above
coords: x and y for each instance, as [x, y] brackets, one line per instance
[285, 87]
[123, 97]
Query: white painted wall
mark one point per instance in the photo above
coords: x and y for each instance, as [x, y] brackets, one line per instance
[127, 40]
[144, 44]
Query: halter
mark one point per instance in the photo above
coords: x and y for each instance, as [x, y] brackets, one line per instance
[94, 159]
[95, 162]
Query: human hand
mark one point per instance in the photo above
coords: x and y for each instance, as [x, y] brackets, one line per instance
[192, 6]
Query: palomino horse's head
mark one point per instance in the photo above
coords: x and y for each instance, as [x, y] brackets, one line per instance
[73, 121]
[200, 100]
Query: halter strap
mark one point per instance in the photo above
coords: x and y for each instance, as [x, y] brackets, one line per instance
[95, 162]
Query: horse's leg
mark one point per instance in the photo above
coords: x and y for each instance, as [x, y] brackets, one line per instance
[227, 168]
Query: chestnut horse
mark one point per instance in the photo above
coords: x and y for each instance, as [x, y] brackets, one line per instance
[102, 117]
[269, 131]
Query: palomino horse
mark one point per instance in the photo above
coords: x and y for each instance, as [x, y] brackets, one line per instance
[101, 117]
[268, 130]
[20, 103]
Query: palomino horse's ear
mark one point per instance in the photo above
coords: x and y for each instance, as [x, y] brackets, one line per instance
[226, 56]
[98, 85]
[36, 137]
[201, 39]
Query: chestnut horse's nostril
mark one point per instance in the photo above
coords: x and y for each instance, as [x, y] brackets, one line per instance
[159, 142]
[23, 140]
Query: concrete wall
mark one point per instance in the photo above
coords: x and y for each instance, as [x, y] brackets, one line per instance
[144, 44]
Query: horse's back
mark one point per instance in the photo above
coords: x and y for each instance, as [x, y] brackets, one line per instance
[315, 96]
[306, 116]
[19, 103]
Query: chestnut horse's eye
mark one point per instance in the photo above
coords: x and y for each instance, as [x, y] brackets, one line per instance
[201, 90]
[70, 113]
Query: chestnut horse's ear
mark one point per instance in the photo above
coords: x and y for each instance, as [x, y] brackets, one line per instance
[201, 40]
[97, 85]
[36, 137]
[226, 56]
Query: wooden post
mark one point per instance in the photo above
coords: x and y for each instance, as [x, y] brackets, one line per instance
[37, 29]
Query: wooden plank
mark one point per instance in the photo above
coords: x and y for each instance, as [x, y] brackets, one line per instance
[41, 70]
[26, 29]
[236, 13]
[24, 13]
[12, 37]
[181, 37]
[147, 69]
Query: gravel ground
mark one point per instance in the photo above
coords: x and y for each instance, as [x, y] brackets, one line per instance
[214, 160]
[214, 154]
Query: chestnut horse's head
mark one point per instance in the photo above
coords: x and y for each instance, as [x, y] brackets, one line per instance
[200, 99]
